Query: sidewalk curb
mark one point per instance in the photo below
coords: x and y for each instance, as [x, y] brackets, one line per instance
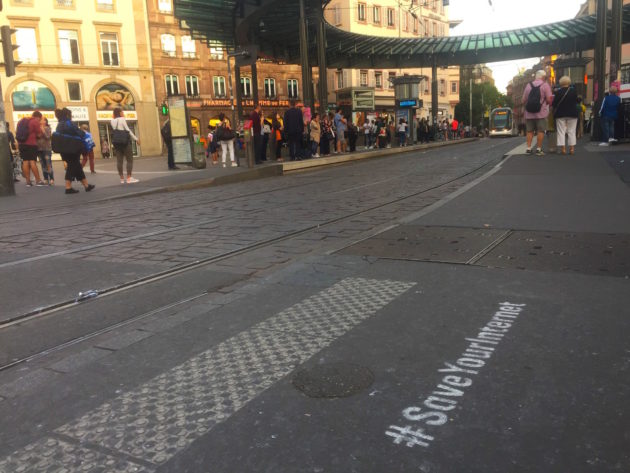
[360, 155]
[280, 169]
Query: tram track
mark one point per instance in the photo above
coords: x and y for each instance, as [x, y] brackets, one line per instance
[59, 306]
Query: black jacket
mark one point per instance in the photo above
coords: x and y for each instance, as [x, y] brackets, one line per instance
[565, 107]
[293, 122]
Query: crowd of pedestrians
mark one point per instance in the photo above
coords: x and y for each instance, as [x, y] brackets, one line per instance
[559, 114]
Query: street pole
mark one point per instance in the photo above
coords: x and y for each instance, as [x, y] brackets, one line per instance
[321, 62]
[599, 84]
[229, 55]
[6, 168]
[434, 90]
[470, 82]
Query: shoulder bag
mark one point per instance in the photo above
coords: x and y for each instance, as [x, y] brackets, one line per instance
[120, 138]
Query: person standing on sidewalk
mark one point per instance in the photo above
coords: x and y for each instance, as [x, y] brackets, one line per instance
[537, 97]
[608, 115]
[316, 134]
[565, 106]
[88, 154]
[165, 131]
[294, 127]
[277, 136]
[256, 119]
[341, 128]
[226, 136]
[44, 151]
[27, 132]
[74, 170]
[123, 152]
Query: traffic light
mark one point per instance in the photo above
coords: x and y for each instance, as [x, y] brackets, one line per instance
[7, 49]
[164, 109]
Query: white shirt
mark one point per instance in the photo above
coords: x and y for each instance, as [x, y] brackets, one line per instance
[121, 124]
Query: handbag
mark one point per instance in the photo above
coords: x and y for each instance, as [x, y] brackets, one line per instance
[120, 138]
[66, 144]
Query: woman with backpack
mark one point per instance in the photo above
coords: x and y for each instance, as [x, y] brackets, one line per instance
[74, 170]
[122, 145]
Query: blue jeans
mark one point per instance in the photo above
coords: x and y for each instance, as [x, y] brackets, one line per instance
[402, 138]
[608, 128]
[314, 145]
[45, 159]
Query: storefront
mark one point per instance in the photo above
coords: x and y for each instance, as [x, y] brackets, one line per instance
[109, 97]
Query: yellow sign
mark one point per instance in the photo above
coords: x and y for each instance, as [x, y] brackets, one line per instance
[103, 115]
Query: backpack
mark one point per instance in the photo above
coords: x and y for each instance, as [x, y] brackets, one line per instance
[21, 131]
[533, 104]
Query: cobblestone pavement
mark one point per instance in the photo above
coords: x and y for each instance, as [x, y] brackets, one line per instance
[169, 230]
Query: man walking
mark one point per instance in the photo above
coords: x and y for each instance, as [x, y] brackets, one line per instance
[608, 115]
[537, 97]
[294, 128]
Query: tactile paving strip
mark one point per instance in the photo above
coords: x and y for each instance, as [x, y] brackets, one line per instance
[165, 415]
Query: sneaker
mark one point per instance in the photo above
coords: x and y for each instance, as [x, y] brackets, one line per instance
[72, 191]
[603, 144]
[539, 152]
[316, 155]
[122, 181]
[51, 183]
[29, 184]
[132, 180]
[234, 164]
[41, 184]
[528, 151]
[612, 140]
[89, 188]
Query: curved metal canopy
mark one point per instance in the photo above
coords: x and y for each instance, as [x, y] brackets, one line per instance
[273, 25]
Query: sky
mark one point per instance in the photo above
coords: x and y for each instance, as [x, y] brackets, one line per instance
[480, 17]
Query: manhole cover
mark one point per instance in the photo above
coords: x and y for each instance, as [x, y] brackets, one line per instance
[333, 380]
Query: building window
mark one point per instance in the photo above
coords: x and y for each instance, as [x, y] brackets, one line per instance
[64, 3]
[168, 44]
[426, 27]
[218, 84]
[109, 49]
[74, 91]
[442, 87]
[188, 47]
[391, 77]
[339, 79]
[405, 21]
[378, 79]
[165, 6]
[172, 84]
[105, 5]
[216, 53]
[192, 86]
[361, 12]
[69, 46]
[415, 25]
[27, 52]
[453, 87]
[376, 15]
[292, 88]
[363, 78]
[391, 17]
[337, 14]
[625, 74]
[270, 88]
[246, 86]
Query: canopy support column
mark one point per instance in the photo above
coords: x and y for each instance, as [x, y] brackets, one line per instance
[306, 81]
[321, 62]
[599, 84]
[615, 41]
